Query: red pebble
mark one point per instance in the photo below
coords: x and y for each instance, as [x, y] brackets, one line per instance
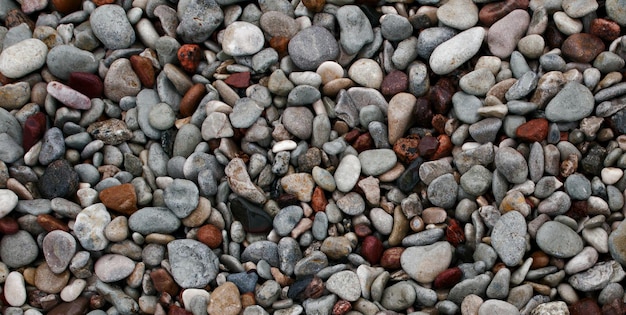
[494, 11]
[605, 29]
[535, 130]
[34, 128]
[189, 56]
[363, 142]
[86, 83]
[372, 249]
[448, 278]
[585, 306]
[428, 146]
[444, 149]
[8, 225]
[454, 233]
[318, 200]
[342, 307]
[144, 70]
[239, 80]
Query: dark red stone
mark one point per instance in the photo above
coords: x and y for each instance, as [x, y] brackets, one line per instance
[448, 278]
[391, 258]
[454, 233]
[577, 210]
[440, 95]
[394, 82]
[494, 11]
[34, 129]
[615, 307]
[86, 83]
[8, 225]
[286, 200]
[352, 135]
[239, 80]
[189, 56]
[553, 37]
[428, 146]
[372, 249]
[439, 123]
[363, 142]
[586, 306]
[163, 282]
[423, 114]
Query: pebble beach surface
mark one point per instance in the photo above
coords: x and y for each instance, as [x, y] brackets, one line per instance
[315, 157]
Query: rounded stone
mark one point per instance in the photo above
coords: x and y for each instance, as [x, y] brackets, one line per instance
[23, 58]
[18, 250]
[311, 47]
[113, 267]
[558, 240]
[242, 39]
[111, 26]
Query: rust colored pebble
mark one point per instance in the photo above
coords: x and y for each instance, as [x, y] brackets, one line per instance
[239, 80]
[8, 225]
[103, 2]
[342, 307]
[439, 123]
[372, 249]
[50, 223]
[144, 70]
[86, 83]
[314, 5]
[189, 56]
[494, 11]
[391, 258]
[395, 82]
[535, 130]
[352, 135]
[586, 306]
[78, 306]
[247, 299]
[540, 260]
[210, 235]
[67, 6]
[34, 129]
[121, 198]
[177, 310]
[605, 29]
[280, 44]
[318, 200]
[192, 99]
[444, 149]
[448, 278]
[406, 148]
[163, 282]
[582, 47]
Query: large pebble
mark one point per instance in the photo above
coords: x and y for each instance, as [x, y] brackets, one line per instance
[573, 102]
[23, 58]
[508, 238]
[242, 39]
[89, 227]
[193, 264]
[502, 37]
[18, 250]
[311, 47]
[347, 173]
[456, 51]
[15, 289]
[113, 267]
[58, 249]
[8, 201]
[111, 26]
[558, 240]
[424, 263]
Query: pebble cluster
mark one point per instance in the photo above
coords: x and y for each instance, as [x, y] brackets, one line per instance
[312, 157]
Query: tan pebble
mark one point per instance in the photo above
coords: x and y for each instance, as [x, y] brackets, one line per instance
[199, 215]
[49, 282]
[304, 225]
[158, 238]
[225, 300]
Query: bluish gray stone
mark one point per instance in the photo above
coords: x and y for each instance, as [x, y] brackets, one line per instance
[153, 220]
[110, 24]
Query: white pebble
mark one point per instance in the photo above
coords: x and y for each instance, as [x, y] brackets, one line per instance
[73, 290]
[8, 201]
[611, 175]
[284, 145]
[566, 24]
[15, 289]
[189, 294]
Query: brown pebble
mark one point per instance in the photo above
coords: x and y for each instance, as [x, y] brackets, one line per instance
[391, 258]
[76, 307]
[535, 130]
[50, 223]
[494, 11]
[8, 226]
[210, 235]
[48, 281]
[582, 47]
[240, 80]
[67, 6]
[314, 5]
[121, 198]
[247, 299]
[192, 99]
[394, 82]
[586, 306]
[280, 44]
[444, 149]
[16, 17]
[540, 260]
[144, 70]
[318, 200]
[177, 310]
[163, 282]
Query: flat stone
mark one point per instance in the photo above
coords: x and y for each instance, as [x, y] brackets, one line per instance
[198, 20]
[502, 38]
[307, 56]
[113, 267]
[23, 58]
[111, 26]
[355, 30]
[18, 250]
[508, 238]
[424, 263]
[242, 39]
[454, 52]
[558, 240]
[58, 249]
[345, 284]
[347, 173]
[153, 220]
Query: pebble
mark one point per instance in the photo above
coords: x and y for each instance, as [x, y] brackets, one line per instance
[111, 26]
[345, 284]
[566, 245]
[458, 14]
[242, 39]
[399, 296]
[454, 52]
[15, 289]
[508, 238]
[113, 267]
[308, 57]
[89, 227]
[347, 173]
[501, 39]
[424, 263]
[355, 30]
[58, 248]
[23, 58]
[193, 264]
[512, 165]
